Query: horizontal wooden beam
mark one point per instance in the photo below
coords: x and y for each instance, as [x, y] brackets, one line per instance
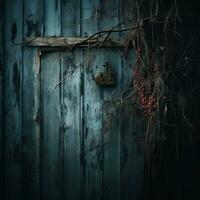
[71, 42]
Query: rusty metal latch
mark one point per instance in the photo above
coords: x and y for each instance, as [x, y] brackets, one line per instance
[105, 78]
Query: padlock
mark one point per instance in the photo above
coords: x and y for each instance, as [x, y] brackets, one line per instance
[105, 78]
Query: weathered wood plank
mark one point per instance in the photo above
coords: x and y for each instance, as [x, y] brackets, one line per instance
[93, 126]
[71, 125]
[1, 95]
[111, 167]
[33, 26]
[92, 160]
[92, 113]
[71, 11]
[51, 154]
[52, 18]
[72, 106]
[111, 132]
[51, 144]
[12, 99]
[111, 118]
[69, 42]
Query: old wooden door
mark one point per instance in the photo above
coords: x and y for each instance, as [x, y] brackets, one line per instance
[80, 135]
[88, 146]
[70, 138]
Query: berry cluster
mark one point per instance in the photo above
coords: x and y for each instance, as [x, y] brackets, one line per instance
[146, 100]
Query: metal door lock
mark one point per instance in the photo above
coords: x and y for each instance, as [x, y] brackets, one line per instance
[105, 78]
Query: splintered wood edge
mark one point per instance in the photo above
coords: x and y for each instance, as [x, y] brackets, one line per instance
[68, 42]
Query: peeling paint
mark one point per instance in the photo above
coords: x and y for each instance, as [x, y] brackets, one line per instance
[36, 68]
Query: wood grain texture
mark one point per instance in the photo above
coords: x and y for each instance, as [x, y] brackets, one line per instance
[52, 17]
[111, 131]
[1, 94]
[68, 42]
[111, 122]
[51, 153]
[12, 100]
[72, 106]
[51, 144]
[71, 111]
[92, 169]
[75, 145]
[71, 16]
[33, 26]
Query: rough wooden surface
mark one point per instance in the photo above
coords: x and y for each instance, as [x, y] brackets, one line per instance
[71, 126]
[1, 95]
[69, 42]
[62, 141]
[51, 153]
[92, 113]
[110, 119]
[72, 103]
[33, 14]
[12, 100]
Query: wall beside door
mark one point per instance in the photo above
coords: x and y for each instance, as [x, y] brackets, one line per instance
[62, 139]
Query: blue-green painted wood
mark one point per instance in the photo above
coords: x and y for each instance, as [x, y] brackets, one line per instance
[72, 106]
[51, 154]
[92, 107]
[111, 124]
[111, 131]
[1, 95]
[74, 145]
[51, 144]
[71, 24]
[12, 100]
[71, 111]
[93, 144]
[52, 17]
[33, 26]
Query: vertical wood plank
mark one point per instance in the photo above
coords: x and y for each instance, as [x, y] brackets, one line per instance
[12, 99]
[71, 18]
[51, 114]
[51, 149]
[92, 160]
[1, 95]
[71, 126]
[71, 109]
[52, 17]
[111, 131]
[33, 26]
[111, 123]
[92, 110]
